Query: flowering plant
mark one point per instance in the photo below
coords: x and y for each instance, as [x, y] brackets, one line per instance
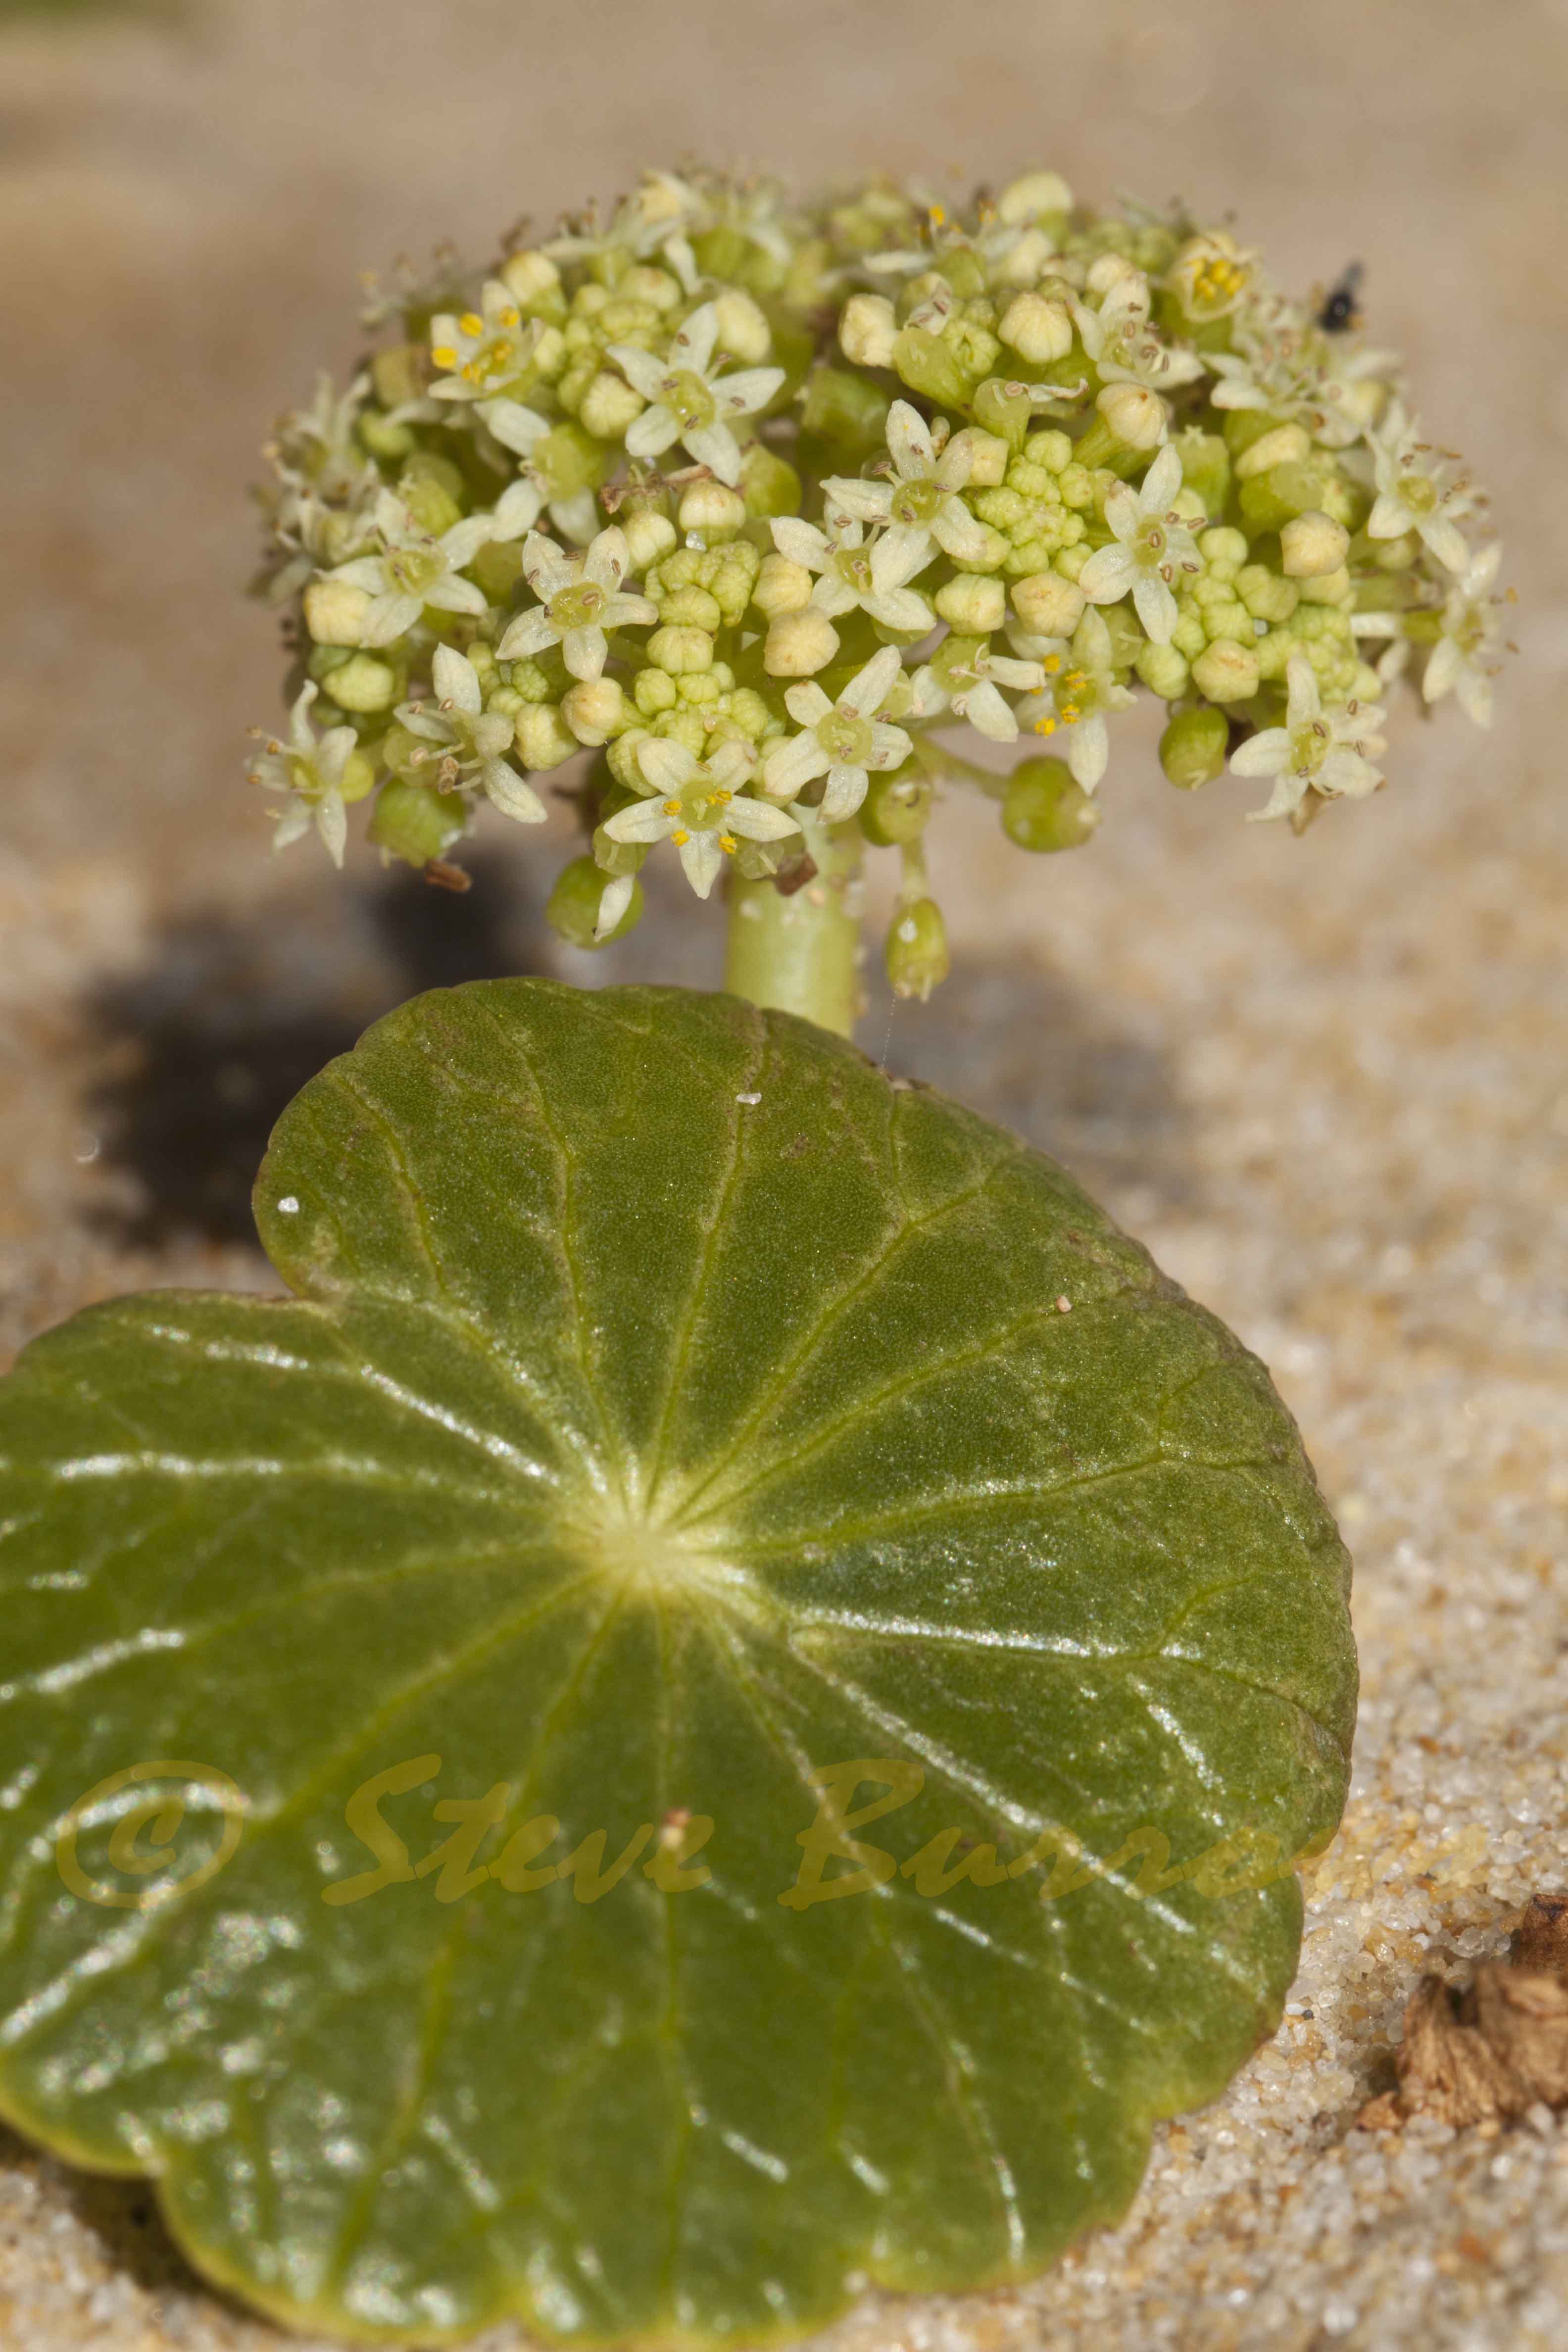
[705, 474]
[704, 1444]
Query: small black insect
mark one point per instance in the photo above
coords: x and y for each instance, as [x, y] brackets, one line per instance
[1342, 310]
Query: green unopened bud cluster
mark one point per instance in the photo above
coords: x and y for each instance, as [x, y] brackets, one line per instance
[750, 503]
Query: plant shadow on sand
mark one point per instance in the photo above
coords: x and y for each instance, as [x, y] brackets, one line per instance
[199, 1051]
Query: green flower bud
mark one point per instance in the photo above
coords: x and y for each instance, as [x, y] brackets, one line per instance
[917, 957]
[654, 691]
[498, 568]
[358, 777]
[1205, 468]
[363, 684]
[336, 612]
[868, 330]
[1163, 670]
[1003, 406]
[398, 374]
[542, 735]
[897, 808]
[679, 650]
[845, 411]
[1265, 595]
[973, 603]
[433, 507]
[1311, 546]
[383, 439]
[414, 822]
[1046, 809]
[931, 365]
[800, 643]
[1193, 746]
[769, 483]
[1226, 672]
[572, 907]
[1285, 444]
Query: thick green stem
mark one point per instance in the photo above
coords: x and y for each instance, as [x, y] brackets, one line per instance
[798, 953]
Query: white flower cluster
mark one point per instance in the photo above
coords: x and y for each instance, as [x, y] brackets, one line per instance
[753, 503]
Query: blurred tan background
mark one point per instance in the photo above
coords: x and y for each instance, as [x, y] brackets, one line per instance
[1326, 1080]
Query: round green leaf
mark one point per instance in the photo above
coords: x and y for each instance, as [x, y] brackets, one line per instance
[678, 1423]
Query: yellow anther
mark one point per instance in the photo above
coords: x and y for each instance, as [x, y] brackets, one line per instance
[471, 323]
[727, 844]
[1069, 714]
[471, 374]
[1053, 662]
[509, 318]
[445, 356]
[1045, 726]
[680, 839]
[672, 808]
[723, 799]
[938, 215]
[1075, 678]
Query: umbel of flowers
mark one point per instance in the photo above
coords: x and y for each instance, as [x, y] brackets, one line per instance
[754, 507]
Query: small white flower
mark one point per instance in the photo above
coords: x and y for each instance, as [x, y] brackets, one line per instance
[920, 508]
[966, 678]
[311, 769]
[841, 740]
[1417, 491]
[691, 402]
[415, 570]
[1151, 545]
[579, 598]
[1314, 751]
[1123, 346]
[520, 430]
[479, 351]
[848, 577]
[1080, 688]
[467, 741]
[1460, 660]
[654, 218]
[696, 804]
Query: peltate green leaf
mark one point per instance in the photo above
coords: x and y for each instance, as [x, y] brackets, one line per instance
[717, 1709]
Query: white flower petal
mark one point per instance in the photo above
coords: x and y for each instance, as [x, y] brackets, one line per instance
[614, 899]
[641, 820]
[1163, 480]
[1446, 541]
[956, 530]
[583, 652]
[608, 560]
[1475, 696]
[987, 713]
[801, 542]
[332, 825]
[1108, 575]
[890, 746]
[758, 820]
[701, 858]
[870, 687]
[455, 594]
[749, 389]
[902, 609]
[1155, 606]
[667, 767]
[508, 793]
[517, 510]
[869, 501]
[516, 428]
[789, 767]
[655, 431]
[529, 634]
[1089, 750]
[693, 342]
[908, 439]
[715, 446]
[642, 371]
[901, 551]
[1265, 754]
[806, 702]
[1389, 519]
[845, 791]
[1442, 671]
[456, 679]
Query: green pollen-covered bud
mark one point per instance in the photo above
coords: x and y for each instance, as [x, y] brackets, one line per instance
[1193, 747]
[917, 958]
[897, 808]
[414, 822]
[1046, 809]
[571, 909]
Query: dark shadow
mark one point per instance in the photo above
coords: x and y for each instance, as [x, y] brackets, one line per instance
[1028, 1049]
[124, 2216]
[203, 1049]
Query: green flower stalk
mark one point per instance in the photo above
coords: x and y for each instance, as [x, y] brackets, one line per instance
[758, 506]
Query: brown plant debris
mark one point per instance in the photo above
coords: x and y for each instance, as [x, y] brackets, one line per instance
[1497, 2049]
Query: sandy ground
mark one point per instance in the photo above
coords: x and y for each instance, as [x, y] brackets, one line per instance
[1325, 1081]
